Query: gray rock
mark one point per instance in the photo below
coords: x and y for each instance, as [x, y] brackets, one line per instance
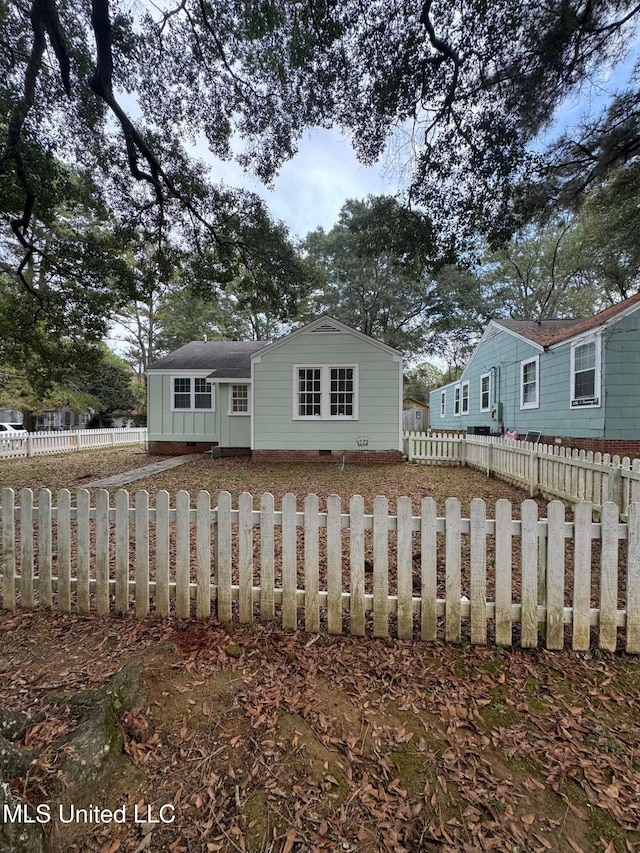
[17, 836]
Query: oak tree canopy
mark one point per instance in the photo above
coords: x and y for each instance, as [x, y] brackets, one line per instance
[460, 94]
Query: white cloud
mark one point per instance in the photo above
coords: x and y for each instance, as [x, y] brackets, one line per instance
[312, 187]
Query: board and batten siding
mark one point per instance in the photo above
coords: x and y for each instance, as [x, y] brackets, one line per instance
[621, 378]
[167, 425]
[379, 388]
[502, 355]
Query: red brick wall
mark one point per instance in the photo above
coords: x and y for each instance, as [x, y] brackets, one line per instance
[179, 448]
[361, 456]
[615, 447]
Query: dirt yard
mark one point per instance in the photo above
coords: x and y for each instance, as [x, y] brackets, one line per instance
[74, 470]
[262, 741]
[253, 740]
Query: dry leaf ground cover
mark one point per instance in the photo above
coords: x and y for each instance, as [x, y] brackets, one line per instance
[262, 741]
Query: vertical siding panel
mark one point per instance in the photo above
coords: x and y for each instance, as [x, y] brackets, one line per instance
[289, 563]
[45, 547]
[311, 564]
[162, 553]
[453, 567]
[478, 555]
[356, 559]
[581, 576]
[405, 569]
[428, 570]
[609, 577]
[64, 550]
[102, 552]
[122, 551]
[26, 549]
[380, 566]
[183, 548]
[245, 557]
[82, 551]
[334, 566]
[529, 583]
[267, 574]
[223, 558]
[555, 575]
[142, 553]
[633, 581]
[504, 574]
[8, 550]
[203, 555]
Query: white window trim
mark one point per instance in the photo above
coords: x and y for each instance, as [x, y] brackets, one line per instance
[457, 401]
[192, 391]
[443, 404]
[464, 410]
[536, 403]
[230, 411]
[325, 393]
[598, 378]
[486, 408]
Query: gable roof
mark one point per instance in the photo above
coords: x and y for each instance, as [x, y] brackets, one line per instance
[228, 359]
[327, 325]
[546, 333]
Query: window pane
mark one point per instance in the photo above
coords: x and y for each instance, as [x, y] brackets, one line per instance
[239, 398]
[341, 392]
[585, 384]
[309, 385]
[529, 389]
[182, 393]
[484, 392]
[203, 394]
[585, 357]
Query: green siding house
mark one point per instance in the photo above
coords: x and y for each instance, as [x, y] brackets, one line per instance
[325, 390]
[574, 382]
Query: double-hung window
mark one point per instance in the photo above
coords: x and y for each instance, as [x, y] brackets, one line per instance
[239, 400]
[529, 383]
[585, 373]
[192, 393]
[456, 400]
[485, 392]
[443, 404]
[465, 398]
[326, 391]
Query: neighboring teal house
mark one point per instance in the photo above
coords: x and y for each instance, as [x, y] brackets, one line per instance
[323, 391]
[574, 382]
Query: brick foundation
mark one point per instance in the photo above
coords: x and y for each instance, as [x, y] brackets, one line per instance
[368, 457]
[182, 448]
[613, 446]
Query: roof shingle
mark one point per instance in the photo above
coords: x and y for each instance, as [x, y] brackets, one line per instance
[225, 359]
[549, 332]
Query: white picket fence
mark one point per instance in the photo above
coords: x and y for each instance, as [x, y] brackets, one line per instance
[512, 580]
[38, 443]
[570, 474]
